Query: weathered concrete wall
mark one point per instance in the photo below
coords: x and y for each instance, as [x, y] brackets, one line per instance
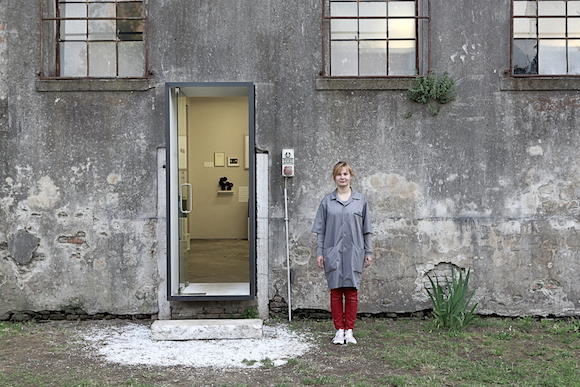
[78, 192]
[490, 184]
[3, 69]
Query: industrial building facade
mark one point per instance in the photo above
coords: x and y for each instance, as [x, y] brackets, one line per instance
[167, 158]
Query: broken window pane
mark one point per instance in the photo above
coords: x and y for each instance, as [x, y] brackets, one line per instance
[525, 57]
[131, 29]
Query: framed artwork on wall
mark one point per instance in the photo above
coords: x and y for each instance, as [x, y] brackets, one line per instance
[219, 159]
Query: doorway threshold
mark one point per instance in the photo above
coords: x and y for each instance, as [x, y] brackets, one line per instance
[217, 289]
[206, 329]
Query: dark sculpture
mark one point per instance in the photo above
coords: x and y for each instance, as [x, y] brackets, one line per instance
[225, 184]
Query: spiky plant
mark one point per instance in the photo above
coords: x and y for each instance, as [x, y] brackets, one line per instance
[451, 301]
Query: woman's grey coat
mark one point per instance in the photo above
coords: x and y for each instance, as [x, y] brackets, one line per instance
[341, 228]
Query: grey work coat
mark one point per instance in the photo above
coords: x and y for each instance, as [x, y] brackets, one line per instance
[343, 226]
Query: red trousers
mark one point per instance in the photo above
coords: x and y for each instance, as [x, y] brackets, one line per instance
[343, 307]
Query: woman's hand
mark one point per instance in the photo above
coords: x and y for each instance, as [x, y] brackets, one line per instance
[368, 261]
[320, 262]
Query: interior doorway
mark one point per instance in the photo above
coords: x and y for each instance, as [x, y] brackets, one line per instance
[211, 191]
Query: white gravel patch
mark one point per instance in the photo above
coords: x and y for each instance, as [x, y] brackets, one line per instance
[132, 345]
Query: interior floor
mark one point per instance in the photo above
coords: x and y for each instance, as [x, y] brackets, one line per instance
[219, 261]
[217, 289]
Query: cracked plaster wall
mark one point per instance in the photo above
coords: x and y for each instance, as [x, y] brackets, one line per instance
[490, 184]
[78, 197]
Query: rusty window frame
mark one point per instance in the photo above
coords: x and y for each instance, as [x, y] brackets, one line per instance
[50, 38]
[422, 38]
[566, 38]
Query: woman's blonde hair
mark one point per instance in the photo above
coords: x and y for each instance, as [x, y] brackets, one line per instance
[339, 166]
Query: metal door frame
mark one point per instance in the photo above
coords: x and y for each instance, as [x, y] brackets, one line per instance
[171, 176]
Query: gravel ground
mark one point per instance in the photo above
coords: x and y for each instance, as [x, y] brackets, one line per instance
[131, 344]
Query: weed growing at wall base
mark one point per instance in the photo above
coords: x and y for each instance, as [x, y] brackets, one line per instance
[451, 301]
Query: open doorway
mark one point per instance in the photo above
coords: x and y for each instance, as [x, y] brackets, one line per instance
[211, 191]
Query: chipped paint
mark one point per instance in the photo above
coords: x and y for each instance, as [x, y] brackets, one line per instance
[113, 178]
[45, 195]
[536, 150]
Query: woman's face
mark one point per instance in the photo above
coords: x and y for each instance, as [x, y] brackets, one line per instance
[343, 178]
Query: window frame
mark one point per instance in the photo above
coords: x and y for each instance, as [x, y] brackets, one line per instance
[50, 40]
[566, 38]
[422, 41]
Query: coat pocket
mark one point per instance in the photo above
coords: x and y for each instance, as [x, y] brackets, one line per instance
[331, 259]
[358, 259]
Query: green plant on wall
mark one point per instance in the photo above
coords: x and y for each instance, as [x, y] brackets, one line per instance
[432, 90]
[451, 301]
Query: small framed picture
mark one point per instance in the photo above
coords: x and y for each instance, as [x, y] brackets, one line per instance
[233, 161]
[218, 159]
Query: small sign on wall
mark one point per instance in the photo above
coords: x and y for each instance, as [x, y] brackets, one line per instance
[233, 161]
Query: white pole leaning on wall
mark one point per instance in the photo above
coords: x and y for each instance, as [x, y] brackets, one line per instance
[287, 172]
[287, 248]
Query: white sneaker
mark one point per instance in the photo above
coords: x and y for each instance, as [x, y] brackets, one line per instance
[348, 337]
[339, 337]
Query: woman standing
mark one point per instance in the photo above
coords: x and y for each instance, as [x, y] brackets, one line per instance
[343, 248]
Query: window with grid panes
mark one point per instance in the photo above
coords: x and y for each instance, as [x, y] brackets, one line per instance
[546, 38]
[94, 39]
[373, 38]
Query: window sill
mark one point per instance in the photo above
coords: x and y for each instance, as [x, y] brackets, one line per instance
[48, 85]
[358, 83]
[539, 83]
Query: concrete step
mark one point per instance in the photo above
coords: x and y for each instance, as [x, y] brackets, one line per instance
[206, 329]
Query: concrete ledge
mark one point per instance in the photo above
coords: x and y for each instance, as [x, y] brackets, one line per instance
[539, 83]
[94, 84]
[206, 329]
[361, 83]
